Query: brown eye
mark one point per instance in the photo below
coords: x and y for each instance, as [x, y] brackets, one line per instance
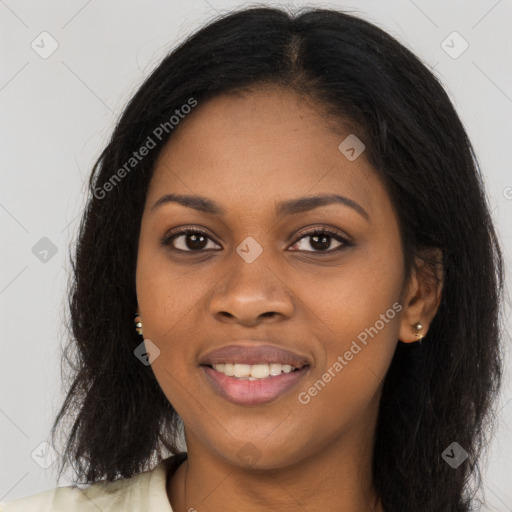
[195, 240]
[188, 240]
[321, 240]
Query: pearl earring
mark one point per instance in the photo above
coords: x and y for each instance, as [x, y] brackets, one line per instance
[138, 323]
[417, 328]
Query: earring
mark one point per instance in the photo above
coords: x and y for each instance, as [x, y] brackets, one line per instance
[417, 328]
[138, 323]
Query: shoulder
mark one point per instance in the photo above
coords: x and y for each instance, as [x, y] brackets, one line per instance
[145, 491]
[55, 500]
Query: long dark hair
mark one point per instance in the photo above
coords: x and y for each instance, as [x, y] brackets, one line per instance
[434, 394]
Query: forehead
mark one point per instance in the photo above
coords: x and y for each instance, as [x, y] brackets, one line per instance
[267, 143]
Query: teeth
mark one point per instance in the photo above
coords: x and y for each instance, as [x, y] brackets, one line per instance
[253, 371]
[229, 369]
[242, 370]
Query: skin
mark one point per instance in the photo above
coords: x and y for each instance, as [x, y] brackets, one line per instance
[247, 152]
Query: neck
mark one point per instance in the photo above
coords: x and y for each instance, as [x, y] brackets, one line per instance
[337, 477]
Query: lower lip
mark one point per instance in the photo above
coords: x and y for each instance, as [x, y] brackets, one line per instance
[253, 392]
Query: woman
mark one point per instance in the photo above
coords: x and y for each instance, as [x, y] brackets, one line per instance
[292, 210]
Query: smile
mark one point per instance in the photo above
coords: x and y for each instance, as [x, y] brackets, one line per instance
[243, 388]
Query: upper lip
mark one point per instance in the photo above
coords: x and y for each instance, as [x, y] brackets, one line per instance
[249, 353]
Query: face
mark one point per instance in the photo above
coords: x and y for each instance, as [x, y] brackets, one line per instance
[323, 280]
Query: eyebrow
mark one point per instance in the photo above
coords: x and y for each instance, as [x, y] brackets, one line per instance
[283, 208]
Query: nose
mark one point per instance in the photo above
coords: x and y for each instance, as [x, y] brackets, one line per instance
[252, 293]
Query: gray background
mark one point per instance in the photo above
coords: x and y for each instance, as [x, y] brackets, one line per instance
[57, 113]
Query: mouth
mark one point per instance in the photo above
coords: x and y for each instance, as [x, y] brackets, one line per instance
[250, 373]
[257, 384]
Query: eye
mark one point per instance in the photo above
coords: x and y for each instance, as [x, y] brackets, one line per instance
[192, 240]
[196, 240]
[321, 239]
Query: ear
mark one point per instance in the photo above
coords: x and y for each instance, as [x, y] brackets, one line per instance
[422, 294]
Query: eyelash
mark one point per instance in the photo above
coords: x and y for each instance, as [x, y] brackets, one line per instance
[168, 239]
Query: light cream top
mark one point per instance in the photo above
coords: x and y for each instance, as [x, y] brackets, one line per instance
[145, 492]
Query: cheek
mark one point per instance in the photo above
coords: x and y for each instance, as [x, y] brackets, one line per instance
[359, 324]
[357, 312]
[167, 293]
[169, 300]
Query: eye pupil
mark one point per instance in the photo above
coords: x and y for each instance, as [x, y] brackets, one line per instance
[195, 238]
[324, 244]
